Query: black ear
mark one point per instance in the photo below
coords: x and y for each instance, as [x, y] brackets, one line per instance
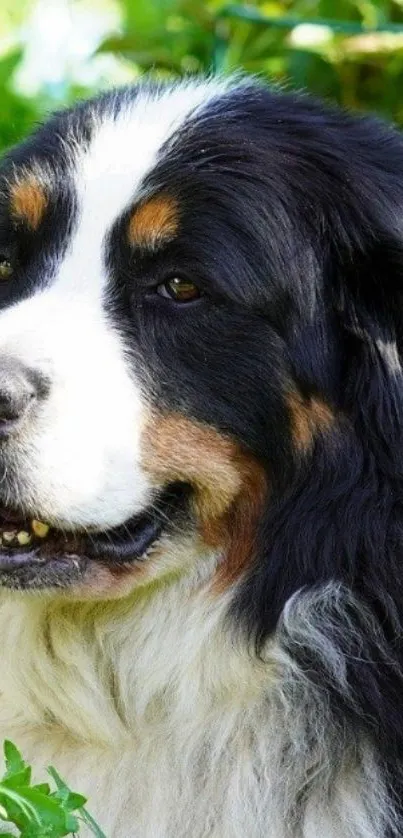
[332, 539]
[368, 300]
[366, 235]
[340, 517]
[328, 576]
[368, 287]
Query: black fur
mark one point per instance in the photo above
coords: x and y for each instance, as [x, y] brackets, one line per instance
[291, 223]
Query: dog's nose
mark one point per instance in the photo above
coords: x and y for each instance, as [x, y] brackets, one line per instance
[19, 389]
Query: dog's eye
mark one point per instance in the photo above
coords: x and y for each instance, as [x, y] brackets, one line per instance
[179, 289]
[6, 267]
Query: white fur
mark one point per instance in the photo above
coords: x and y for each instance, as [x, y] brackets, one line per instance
[153, 708]
[151, 704]
[80, 459]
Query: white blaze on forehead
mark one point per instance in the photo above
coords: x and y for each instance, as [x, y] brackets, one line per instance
[124, 148]
[79, 459]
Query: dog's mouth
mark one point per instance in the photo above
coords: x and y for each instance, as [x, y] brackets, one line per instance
[34, 554]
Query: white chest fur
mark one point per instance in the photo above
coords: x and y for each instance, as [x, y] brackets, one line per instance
[155, 710]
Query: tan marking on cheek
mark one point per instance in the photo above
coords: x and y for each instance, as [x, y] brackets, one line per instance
[238, 527]
[154, 222]
[308, 418]
[229, 485]
[179, 449]
[28, 201]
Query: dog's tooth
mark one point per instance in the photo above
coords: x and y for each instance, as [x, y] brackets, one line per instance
[40, 528]
[9, 536]
[24, 538]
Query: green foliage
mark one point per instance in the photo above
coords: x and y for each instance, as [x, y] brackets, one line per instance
[17, 113]
[350, 51]
[36, 810]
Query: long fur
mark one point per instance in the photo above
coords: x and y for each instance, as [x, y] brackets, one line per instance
[173, 729]
[187, 697]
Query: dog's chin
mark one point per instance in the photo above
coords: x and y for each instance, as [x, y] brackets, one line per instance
[34, 555]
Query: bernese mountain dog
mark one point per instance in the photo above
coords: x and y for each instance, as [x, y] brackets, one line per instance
[201, 461]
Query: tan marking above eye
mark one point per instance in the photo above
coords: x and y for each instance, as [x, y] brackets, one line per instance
[154, 222]
[308, 417]
[28, 201]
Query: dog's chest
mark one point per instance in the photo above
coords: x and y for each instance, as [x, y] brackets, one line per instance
[187, 786]
[171, 732]
[158, 724]
[159, 787]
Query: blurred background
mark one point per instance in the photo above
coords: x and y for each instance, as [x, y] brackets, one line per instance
[55, 51]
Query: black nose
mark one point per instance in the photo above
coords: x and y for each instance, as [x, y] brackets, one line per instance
[19, 390]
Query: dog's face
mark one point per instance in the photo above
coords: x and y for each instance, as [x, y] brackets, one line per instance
[173, 265]
[116, 344]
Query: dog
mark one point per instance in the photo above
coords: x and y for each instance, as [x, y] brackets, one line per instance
[201, 461]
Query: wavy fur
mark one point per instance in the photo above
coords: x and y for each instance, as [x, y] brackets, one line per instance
[187, 697]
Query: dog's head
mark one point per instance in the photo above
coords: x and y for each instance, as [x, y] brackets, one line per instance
[200, 336]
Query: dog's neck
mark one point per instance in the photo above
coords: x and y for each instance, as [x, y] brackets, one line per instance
[102, 669]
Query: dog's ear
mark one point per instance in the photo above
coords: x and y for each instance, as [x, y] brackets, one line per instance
[338, 525]
[367, 293]
[368, 287]
[366, 235]
[339, 517]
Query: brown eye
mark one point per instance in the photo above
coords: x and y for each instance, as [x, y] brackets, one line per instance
[6, 268]
[180, 290]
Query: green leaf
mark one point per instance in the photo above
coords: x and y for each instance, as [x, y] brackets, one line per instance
[8, 65]
[61, 794]
[289, 21]
[148, 15]
[37, 811]
[75, 801]
[44, 788]
[309, 70]
[72, 824]
[49, 811]
[16, 780]
[132, 42]
[20, 811]
[87, 818]
[61, 785]
[13, 759]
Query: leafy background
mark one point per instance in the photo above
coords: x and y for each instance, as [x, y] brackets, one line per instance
[55, 51]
